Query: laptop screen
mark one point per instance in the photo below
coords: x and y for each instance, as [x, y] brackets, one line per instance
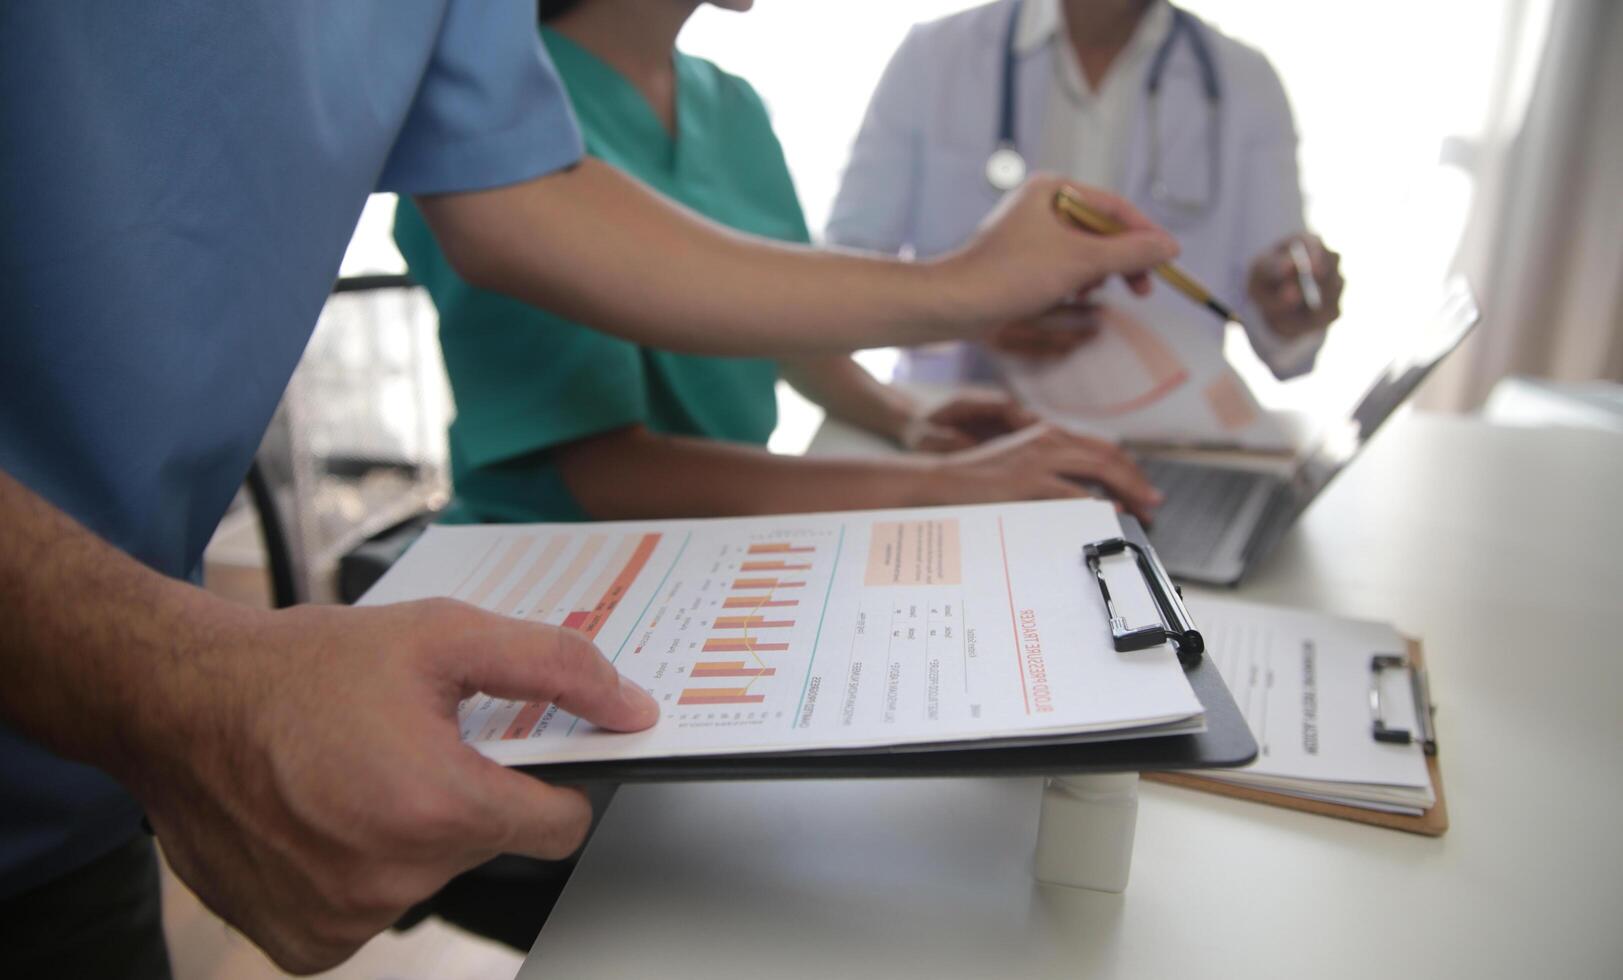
[1343, 440]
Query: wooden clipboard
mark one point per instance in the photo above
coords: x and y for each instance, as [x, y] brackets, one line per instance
[1431, 823]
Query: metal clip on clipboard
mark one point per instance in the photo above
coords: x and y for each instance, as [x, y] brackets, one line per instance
[1175, 626]
[1419, 685]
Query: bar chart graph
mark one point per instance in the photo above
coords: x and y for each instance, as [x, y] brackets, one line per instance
[765, 583]
[600, 571]
[754, 602]
[755, 615]
[752, 622]
[720, 635]
[776, 565]
[719, 695]
[743, 645]
[565, 578]
[730, 668]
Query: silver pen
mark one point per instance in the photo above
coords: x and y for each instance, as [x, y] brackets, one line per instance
[1304, 275]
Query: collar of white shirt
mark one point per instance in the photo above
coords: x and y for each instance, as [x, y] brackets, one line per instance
[1043, 21]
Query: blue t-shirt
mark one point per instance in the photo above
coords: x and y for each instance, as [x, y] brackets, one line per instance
[178, 181]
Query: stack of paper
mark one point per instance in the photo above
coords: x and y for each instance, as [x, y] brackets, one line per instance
[1302, 680]
[1154, 372]
[817, 633]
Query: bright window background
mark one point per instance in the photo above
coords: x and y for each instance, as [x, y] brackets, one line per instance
[1394, 100]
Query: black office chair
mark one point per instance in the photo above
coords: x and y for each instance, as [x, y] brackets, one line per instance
[353, 464]
[285, 590]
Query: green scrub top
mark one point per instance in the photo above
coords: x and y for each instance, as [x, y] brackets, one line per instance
[526, 381]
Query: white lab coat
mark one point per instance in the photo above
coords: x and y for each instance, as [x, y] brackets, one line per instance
[916, 181]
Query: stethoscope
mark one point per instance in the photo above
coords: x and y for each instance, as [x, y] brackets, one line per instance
[1006, 167]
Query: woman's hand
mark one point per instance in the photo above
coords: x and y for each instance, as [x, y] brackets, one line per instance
[1050, 336]
[968, 419]
[1024, 259]
[1275, 286]
[1041, 462]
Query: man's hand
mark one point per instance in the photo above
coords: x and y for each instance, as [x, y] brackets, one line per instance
[968, 419]
[1025, 260]
[1041, 462]
[1274, 285]
[1050, 336]
[307, 780]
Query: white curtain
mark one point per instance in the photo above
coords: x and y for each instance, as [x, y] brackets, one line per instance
[1544, 244]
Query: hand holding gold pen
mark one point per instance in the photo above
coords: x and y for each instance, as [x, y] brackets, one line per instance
[1312, 303]
[1073, 208]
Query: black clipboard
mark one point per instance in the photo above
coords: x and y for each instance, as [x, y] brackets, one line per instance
[1225, 743]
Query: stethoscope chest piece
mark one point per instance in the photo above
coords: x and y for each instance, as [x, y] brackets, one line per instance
[1005, 168]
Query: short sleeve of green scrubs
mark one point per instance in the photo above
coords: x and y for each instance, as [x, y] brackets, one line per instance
[526, 381]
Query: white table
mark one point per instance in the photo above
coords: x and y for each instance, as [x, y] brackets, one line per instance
[1500, 547]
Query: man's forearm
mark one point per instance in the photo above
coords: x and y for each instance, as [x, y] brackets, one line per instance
[850, 394]
[596, 246]
[91, 636]
[302, 768]
[633, 474]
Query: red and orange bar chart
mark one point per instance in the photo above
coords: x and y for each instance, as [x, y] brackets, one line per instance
[719, 695]
[773, 566]
[750, 622]
[730, 668]
[780, 548]
[611, 587]
[765, 583]
[744, 644]
[756, 602]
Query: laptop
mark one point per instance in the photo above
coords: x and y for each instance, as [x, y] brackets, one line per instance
[1218, 521]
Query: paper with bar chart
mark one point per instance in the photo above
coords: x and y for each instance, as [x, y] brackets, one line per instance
[826, 632]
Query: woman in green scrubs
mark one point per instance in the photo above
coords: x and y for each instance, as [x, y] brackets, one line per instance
[556, 421]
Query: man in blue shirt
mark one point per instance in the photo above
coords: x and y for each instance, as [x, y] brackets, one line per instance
[177, 184]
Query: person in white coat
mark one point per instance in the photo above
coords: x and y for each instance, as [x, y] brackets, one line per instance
[1135, 95]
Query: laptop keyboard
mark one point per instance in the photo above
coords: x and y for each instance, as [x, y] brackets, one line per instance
[1201, 504]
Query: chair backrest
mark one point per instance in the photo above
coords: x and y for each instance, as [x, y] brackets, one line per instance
[358, 443]
[286, 588]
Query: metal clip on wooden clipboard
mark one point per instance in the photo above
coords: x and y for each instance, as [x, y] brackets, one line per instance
[1175, 626]
[1419, 686]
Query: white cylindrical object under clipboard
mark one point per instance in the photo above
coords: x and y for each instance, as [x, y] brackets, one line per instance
[1085, 832]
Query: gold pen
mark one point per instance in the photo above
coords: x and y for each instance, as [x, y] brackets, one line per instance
[1071, 206]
